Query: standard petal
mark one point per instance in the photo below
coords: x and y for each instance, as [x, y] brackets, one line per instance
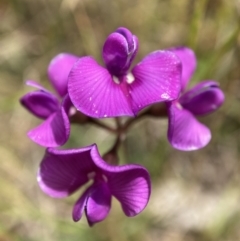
[157, 78]
[58, 71]
[54, 131]
[185, 132]
[99, 203]
[189, 63]
[40, 103]
[119, 51]
[94, 93]
[130, 184]
[62, 172]
[204, 98]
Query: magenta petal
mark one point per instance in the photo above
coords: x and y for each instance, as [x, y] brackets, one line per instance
[80, 205]
[64, 171]
[185, 132]
[94, 93]
[59, 69]
[204, 98]
[119, 51]
[157, 79]
[115, 53]
[131, 188]
[129, 37]
[41, 104]
[189, 63]
[130, 184]
[99, 203]
[54, 131]
[66, 105]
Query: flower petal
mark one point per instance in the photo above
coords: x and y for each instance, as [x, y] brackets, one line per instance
[94, 93]
[157, 79]
[58, 71]
[189, 63]
[204, 98]
[64, 171]
[80, 205]
[98, 204]
[55, 130]
[185, 132]
[35, 84]
[130, 184]
[40, 103]
[129, 37]
[119, 51]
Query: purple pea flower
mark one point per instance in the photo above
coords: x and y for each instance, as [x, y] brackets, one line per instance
[115, 91]
[185, 132]
[63, 172]
[55, 129]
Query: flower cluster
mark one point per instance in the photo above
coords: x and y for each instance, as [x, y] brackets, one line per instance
[87, 92]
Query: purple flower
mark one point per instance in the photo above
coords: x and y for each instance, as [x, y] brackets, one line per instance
[185, 132]
[115, 91]
[63, 172]
[55, 129]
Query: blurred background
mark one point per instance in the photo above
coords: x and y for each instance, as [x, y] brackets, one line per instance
[196, 195]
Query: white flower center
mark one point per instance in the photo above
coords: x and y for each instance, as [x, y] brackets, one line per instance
[116, 79]
[130, 78]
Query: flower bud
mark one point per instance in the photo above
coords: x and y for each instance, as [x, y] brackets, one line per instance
[119, 51]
